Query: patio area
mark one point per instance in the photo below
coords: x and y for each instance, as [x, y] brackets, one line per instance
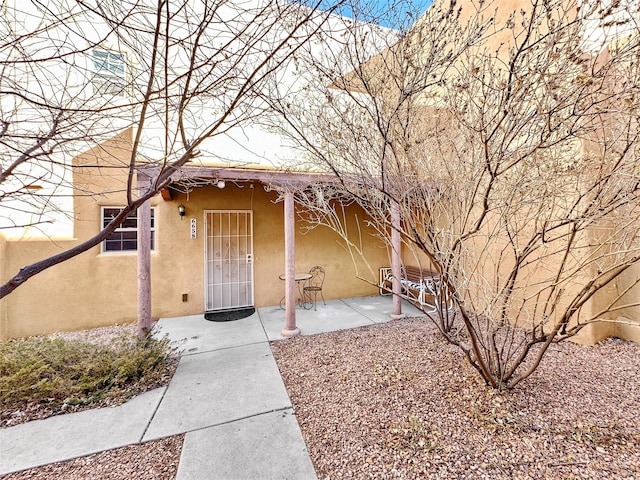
[266, 323]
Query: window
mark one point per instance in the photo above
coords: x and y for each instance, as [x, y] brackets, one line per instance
[110, 72]
[125, 237]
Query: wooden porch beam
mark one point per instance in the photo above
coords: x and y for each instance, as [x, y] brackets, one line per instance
[165, 193]
[268, 176]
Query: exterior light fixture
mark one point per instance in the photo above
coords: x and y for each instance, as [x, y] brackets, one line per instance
[222, 184]
[181, 211]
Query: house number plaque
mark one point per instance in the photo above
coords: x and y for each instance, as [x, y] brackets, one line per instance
[193, 228]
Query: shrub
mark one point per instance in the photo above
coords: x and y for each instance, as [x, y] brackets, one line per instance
[54, 373]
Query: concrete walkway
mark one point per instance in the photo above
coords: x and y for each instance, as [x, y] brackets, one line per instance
[226, 395]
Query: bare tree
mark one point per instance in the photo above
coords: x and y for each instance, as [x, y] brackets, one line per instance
[508, 141]
[75, 74]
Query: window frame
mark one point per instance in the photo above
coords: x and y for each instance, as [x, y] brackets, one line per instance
[128, 229]
[109, 72]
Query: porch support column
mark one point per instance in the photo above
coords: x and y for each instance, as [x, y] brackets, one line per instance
[396, 262]
[144, 269]
[290, 329]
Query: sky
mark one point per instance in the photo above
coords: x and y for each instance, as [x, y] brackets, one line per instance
[388, 13]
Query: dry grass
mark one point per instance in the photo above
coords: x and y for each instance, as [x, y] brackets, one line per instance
[394, 401]
[92, 368]
[45, 376]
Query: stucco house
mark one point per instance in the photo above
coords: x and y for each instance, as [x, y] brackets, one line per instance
[217, 229]
[226, 251]
[222, 232]
[440, 110]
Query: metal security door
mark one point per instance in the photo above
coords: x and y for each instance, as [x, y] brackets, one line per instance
[228, 259]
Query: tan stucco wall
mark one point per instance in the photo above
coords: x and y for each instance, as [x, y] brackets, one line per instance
[79, 293]
[96, 289]
[629, 314]
[320, 246]
[99, 289]
[623, 323]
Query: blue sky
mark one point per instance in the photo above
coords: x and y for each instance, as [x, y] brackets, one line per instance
[388, 13]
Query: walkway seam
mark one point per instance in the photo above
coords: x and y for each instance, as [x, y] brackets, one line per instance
[223, 348]
[155, 410]
[359, 312]
[264, 330]
[239, 419]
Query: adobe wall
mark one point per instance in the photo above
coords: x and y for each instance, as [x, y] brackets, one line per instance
[181, 270]
[623, 323]
[99, 289]
[628, 326]
[85, 291]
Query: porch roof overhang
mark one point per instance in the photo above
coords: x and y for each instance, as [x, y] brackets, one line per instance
[188, 178]
[194, 177]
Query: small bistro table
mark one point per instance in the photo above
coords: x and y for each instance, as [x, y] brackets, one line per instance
[300, 279]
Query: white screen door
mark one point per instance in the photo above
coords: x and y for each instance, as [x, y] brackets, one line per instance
[228, 259]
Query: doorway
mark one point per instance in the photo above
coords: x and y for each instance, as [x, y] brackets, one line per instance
[228, 259]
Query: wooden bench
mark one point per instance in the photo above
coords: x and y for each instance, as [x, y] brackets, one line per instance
[420, 285]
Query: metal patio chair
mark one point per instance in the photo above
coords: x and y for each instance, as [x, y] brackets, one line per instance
[314, 285]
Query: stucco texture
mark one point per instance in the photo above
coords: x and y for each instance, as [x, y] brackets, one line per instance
[96, 289]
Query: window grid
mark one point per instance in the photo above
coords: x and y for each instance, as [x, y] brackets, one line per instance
[110, 72]
[109, 62]
[125, 237]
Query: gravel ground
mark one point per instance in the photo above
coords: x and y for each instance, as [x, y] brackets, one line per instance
[157, 460]
[101, 335]
[394, 401]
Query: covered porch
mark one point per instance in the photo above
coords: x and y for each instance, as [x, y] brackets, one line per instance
[192, 333]
[280, 251]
